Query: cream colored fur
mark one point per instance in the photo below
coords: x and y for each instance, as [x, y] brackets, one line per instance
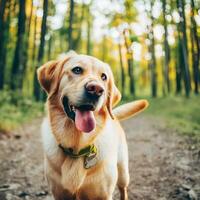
[67, 177]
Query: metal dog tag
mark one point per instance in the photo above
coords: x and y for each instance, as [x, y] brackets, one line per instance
[90, 160]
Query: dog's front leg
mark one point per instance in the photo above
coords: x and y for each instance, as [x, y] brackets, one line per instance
[123, 193]
[61, 194]
[72, 174]
[123, 180]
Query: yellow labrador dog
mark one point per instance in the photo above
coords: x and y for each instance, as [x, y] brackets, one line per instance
[85, 146]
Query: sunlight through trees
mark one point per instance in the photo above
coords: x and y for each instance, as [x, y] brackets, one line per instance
[152, 46]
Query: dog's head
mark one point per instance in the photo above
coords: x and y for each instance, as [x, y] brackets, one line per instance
[84, 86]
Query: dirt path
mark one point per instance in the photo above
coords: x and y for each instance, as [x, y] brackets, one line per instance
[163, 166]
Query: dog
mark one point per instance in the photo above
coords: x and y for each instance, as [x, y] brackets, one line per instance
[85, 147]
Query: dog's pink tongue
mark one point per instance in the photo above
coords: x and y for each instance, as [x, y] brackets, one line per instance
[84, 120]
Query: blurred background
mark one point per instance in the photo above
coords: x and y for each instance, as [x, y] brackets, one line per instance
[152, 46]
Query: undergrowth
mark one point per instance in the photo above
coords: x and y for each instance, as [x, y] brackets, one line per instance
[16, 110]
[181, 114]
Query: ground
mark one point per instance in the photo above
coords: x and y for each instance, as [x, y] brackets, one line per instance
[163, 164]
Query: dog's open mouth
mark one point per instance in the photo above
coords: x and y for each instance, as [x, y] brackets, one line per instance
[82, 115]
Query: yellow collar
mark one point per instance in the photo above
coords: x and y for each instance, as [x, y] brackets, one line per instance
[87, 151]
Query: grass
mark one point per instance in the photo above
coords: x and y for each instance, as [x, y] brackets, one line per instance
[15, 110]
[181, 114]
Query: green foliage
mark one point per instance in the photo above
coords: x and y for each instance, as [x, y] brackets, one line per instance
[180, 113]
[134, 38]
[15, 110]
[121, 28]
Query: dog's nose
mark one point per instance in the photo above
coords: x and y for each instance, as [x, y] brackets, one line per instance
[93, 89]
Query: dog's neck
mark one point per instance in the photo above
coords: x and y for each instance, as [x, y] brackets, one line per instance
[65, 131]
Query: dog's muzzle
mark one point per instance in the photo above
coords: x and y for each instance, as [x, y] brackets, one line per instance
[81, 114]
[93, 91]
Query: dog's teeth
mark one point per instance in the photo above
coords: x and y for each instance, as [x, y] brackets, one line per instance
[73, 108]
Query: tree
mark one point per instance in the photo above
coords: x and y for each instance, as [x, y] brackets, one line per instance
[37, 90]
[34, 37]
[129, 61]
[151, 47]
[27, 37]
[122, 70]
[121, 19]
[88, 31]
[2, 41]
[175, 55]
[184, 48]
[70, 27]
[49, 47]
[195, 48]
[18, 61]
[43, 31]
[77, 40]
[129, 16]
[178, 67]
[167, 50]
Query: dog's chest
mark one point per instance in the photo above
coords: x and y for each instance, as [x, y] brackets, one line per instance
[79, 173]
[100, 180]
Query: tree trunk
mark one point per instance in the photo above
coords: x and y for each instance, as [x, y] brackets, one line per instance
[49, 47]
[184, 48]
[43, 31]
[34, 38]
[122, 70]
[130, 64]
[151, 48]
[2, 42]
[18, 61]
[37, 90]
[88, 32]
[153, 61]
[77, 41]
[27, 39]
[2, 20]
[153, 68]
[7, 40]
[167, 50]
[195, 49]
[70, 28]
[178, 67]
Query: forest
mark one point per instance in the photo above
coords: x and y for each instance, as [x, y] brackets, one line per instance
[152, 46]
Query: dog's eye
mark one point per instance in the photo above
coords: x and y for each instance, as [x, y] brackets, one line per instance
[77, 70]
[103, 77]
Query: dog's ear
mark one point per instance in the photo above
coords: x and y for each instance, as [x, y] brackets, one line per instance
[114, 95]
[48, 75]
